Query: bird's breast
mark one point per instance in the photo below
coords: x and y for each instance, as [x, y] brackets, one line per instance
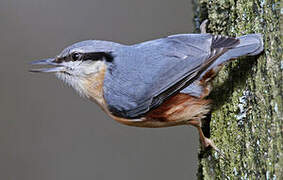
[94, 86]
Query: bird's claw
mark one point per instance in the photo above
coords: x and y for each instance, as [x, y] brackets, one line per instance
[203, 26]
[209, 143]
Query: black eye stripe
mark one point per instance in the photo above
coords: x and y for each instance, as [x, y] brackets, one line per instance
[62, 59]
[96, 56]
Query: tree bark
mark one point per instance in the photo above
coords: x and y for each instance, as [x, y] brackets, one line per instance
[246, 121]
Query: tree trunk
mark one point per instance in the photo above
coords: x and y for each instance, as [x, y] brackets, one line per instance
[246, 121]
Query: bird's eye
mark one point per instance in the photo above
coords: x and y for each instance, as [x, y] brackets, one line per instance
[76, 56]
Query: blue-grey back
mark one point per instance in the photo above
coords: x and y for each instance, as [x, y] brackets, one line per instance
[142, 71]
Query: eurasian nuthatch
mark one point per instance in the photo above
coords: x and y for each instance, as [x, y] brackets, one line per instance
[157, 83]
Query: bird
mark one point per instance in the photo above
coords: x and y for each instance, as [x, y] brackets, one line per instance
[157, 83]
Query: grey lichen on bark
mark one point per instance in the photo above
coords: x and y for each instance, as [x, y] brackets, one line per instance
[246, 120]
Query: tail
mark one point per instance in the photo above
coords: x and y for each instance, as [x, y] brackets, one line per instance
[250, 45]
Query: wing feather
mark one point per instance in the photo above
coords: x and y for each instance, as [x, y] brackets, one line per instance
[143, 76]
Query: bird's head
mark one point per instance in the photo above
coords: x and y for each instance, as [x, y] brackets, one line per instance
[79, 63]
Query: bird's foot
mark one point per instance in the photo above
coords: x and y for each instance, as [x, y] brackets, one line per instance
[208, 143]
[203, 26]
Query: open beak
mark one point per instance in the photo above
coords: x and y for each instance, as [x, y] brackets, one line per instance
[51, 61]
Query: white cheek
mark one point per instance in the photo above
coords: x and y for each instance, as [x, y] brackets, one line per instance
[91, 67]
[71, 64]
[78, 72]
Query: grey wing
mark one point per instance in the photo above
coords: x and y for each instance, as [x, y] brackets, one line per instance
[143, 76]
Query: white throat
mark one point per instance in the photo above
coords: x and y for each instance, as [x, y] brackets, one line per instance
[74, 82]
[82, 76]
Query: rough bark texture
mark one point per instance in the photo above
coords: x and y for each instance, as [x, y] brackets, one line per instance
[246, 121]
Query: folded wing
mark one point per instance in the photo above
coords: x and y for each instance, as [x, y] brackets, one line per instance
[143, 76]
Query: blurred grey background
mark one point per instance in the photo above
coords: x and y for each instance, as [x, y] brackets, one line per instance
[47, 132]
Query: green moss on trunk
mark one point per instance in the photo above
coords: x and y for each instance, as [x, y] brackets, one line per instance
[246, 122]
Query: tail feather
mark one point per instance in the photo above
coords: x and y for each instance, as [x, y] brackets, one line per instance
[252, 43]
[219, 41]
[249, 45]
